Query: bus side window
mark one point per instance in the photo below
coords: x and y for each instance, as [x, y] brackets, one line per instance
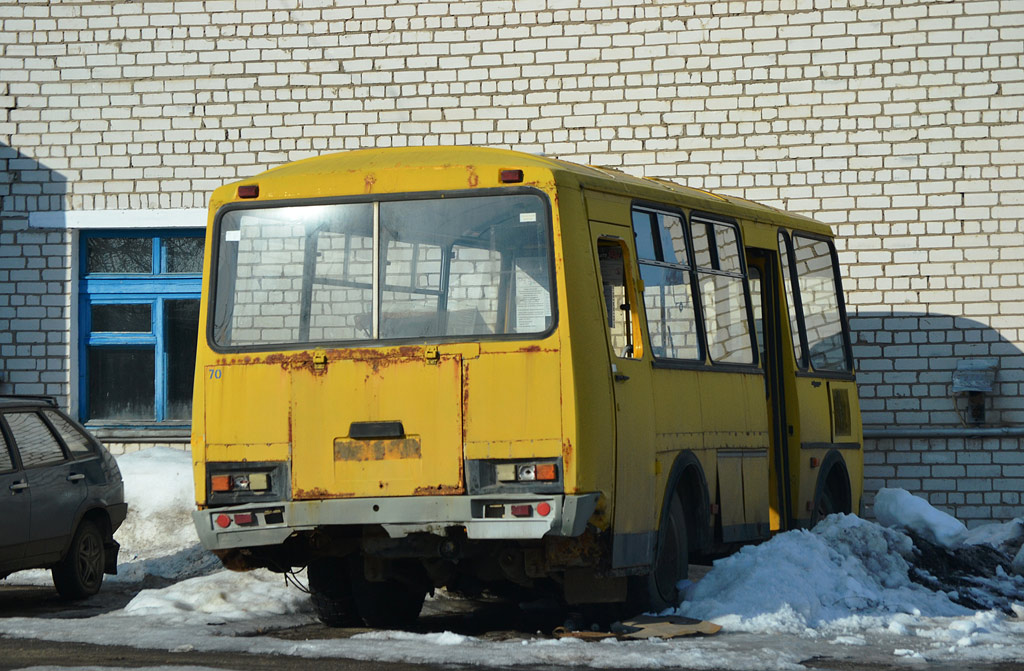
[614, 289]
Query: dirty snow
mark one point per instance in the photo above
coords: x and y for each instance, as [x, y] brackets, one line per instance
[842, 590]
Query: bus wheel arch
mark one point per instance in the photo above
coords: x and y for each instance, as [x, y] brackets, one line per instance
[688, 481]
[832, 492]
[684, 527]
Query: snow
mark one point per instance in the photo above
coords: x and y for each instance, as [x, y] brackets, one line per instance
[842, 590]
[899, 508]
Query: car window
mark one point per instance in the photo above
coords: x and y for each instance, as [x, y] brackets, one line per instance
[5, 456]
[73, 438]
[33, 439]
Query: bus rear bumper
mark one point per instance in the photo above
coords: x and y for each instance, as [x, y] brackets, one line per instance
[484, 517]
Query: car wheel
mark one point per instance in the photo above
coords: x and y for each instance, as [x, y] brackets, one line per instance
[80, 573]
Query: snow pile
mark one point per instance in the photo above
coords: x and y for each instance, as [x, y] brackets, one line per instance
[227, 595]
[900, 509]
[802, 579]
[157, 538]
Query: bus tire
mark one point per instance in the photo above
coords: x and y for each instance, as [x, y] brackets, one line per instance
[330, 591]
[388, 604]
[832, 493]
[658, 590]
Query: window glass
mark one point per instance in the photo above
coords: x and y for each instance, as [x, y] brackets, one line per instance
[671, 320]
[616, 299]
[819, 298]
[728, 249]
[787, 281]
[511, 229]
[36, 445]
[119, 255]
[701, 244]
[181, 323]
[453, 266]
[472, 306]
[153, 321]
[757, 305]
[6, 463]
[725, 319]
[723, 296]
[121, 318]
[668, 289]
[642, 222]
[183, 255]
[673, 241]
[73, 438]
[121, 383]
[411, 287]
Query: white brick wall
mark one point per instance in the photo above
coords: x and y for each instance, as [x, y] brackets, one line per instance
[896, 121]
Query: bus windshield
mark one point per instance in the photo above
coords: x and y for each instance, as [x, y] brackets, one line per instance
[413, 268]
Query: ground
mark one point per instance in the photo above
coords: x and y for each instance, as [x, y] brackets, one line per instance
[852, 594]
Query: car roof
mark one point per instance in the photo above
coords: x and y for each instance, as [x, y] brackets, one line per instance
[24, 401]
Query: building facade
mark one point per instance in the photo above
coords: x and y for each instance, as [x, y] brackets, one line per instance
[898, 122]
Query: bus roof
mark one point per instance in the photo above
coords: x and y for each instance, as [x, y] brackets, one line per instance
[591, 177]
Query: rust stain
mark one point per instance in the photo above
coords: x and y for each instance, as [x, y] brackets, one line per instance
[319, 493]
[235, 560]
[439, 490]
[472, 179]
[377, 358]
[587, 550]
[567, 452]
[368, 183]
[377, 450]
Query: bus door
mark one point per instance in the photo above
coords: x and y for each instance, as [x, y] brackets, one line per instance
[762, 266]
[635, 498]
[825, 420]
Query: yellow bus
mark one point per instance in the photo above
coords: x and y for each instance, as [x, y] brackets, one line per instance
[480, 369]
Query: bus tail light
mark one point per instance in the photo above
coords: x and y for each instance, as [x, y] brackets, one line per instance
[547, 472]
[536, 472]
[220, 483]
[510, 176]
[521, 510]
[249, 191]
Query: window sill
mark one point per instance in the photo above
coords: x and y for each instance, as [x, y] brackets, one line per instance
[140, 433]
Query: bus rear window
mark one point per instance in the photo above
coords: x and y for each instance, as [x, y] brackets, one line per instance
[426, 268]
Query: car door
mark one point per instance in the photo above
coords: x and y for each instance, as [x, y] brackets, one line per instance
[57, 489]
[14, 507]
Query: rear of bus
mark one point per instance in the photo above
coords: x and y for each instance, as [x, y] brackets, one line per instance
[379, 377]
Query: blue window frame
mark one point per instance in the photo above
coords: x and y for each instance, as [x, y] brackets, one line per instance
[138, 320]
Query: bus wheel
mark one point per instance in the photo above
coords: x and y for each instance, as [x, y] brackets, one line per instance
[833, 495]
[657, 590]
[823, 507]
[388, 604]
[330, 590]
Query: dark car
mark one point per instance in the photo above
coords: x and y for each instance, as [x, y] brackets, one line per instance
[61, 497]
